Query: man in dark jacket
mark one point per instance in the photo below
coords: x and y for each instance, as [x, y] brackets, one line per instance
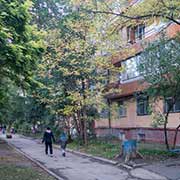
[47, 138]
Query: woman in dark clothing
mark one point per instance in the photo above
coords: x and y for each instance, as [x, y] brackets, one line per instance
[48, 138]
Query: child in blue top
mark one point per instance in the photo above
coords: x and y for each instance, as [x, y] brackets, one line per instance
[63, 141]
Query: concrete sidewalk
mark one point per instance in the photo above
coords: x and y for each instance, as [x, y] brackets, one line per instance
[74, 167]
[169, 169]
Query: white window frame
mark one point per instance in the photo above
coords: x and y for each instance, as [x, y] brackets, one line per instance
[130, 71]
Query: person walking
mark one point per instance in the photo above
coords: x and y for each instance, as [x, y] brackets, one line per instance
[48, 138]
[63, 141]
[4, 129]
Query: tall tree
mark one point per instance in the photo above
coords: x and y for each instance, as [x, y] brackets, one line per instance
[20, 46]
[47, 13]
[72, 72]
[160, 67]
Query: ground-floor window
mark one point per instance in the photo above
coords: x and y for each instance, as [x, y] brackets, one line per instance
[142, 105]
[169, 104]
[121, 109]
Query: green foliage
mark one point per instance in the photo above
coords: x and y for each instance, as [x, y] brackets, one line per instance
[160, 67]
[109, 148]
[68, 80]
[162, 154]
[158, 119]
[98, 148]
[71, 66]
[123, 12]
[149, 9]
[48, 13]
[9, 172]
[21, 46]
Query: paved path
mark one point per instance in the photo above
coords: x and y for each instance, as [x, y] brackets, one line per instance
[74, 167]
[170, 169]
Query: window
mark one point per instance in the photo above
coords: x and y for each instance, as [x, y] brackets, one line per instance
[175, 106]
[121, 109]
[130, 68]
[142, 105]
[131, 35]
[104, 113]
[135, 33]
[140, 31]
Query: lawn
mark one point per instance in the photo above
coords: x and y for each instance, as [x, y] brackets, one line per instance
[109, 148]
[98, 148]
[14, 166]
[14, 172]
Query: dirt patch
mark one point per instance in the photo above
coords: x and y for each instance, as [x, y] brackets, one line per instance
[15, 166]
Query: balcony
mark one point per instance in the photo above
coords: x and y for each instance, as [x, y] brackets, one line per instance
[128, 89]
[136, 45]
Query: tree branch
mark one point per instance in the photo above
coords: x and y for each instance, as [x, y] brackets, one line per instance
[146, 16]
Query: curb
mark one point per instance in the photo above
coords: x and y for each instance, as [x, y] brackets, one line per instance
[35, 161]
[114, 163]
[94, 157]
[125, 166]
[90, 156]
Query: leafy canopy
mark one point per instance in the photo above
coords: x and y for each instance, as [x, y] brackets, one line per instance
[160, 67]
[20, 46]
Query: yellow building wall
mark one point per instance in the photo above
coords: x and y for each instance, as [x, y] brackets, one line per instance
[132, 120]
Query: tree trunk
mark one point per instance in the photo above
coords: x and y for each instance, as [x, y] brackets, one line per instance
[84, 127]
[175, 136]
[76, 124]
[69, 130]
[80, 124]
[84, 117]
[165, 132]
[109, 113]
[85, 130]
[166, 121]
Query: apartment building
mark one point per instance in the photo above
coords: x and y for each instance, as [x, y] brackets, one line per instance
[132, 119]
